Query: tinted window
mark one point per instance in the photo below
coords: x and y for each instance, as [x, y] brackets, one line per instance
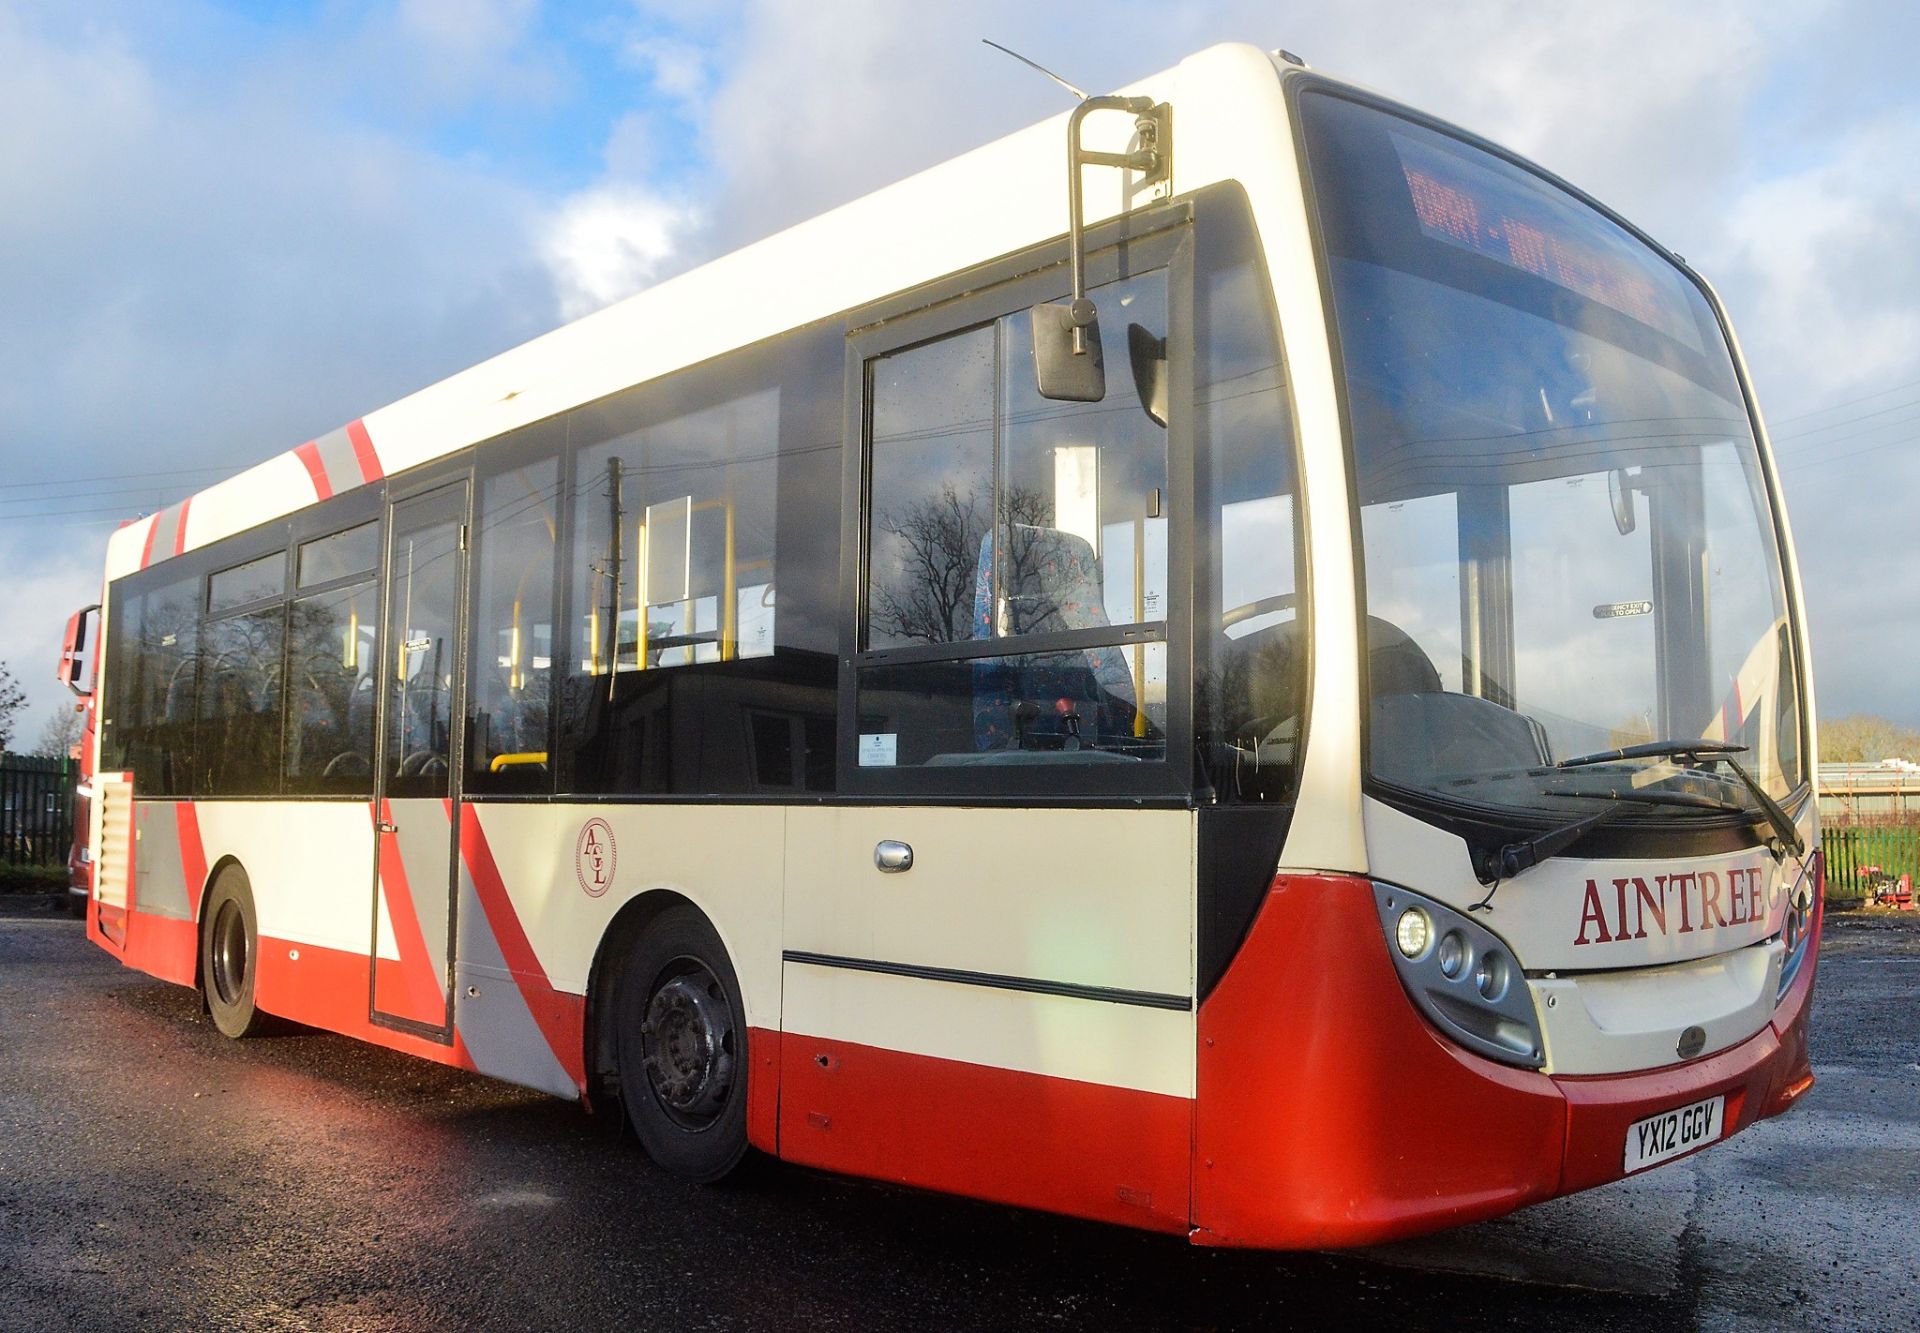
[152, 640]
[420, 660]
[355, 551]
[330, 655]
[257, 579]
[703, 572]
[238, 745]
[996, 514]
[931, 469]
[1249, 653]
[510, 673]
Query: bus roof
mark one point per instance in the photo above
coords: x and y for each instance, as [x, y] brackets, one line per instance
[992, 201]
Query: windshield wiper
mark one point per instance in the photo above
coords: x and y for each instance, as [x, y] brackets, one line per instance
[1711, 752]
[1516, 857]
[1680, 749]
[1680, 798]
[1776, 813]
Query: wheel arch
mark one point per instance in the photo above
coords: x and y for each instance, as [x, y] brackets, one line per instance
[616, 943]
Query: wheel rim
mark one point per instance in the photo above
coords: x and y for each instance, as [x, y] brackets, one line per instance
[229, 953]
[687, 1044]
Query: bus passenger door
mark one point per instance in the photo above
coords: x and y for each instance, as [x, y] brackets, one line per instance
[416, 794]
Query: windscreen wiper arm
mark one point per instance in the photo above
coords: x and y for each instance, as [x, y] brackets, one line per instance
[1776, 813]
[1712, 751]
[1523, 855]
[1678, 749]
[1516, 857]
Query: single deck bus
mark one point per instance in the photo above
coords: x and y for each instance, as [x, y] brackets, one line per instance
[1262, 694]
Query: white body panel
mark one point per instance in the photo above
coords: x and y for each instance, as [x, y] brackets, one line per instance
[1084, 898]
[309, 865]
[724, 859]
[1633, 1018]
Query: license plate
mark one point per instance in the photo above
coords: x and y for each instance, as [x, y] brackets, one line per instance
[1681, 1130]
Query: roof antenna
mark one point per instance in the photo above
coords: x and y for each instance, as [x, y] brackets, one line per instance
[1078, 93]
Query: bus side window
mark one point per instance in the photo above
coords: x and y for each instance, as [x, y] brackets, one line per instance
[331, 685]
[1250, 660]
[239, 714]
[995, 514]
[510, 672]
[330, 655]
[702, 575]
[152, 646]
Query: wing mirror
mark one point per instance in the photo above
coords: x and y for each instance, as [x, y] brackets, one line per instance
[1066, 335]
[76, 662]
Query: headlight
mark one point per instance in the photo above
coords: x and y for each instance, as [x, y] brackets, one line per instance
[1468, 983]
[1412, 933]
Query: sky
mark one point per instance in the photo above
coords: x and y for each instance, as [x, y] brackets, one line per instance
[227, 227]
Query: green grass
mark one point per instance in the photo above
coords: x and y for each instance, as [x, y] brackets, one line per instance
[1896, 850]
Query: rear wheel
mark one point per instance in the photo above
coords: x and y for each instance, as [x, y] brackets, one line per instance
[229, 949]
[682, 1047]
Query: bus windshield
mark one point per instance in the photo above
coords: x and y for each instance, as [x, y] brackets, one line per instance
[1567, 541]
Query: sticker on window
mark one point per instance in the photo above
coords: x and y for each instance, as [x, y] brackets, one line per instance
[878, 749]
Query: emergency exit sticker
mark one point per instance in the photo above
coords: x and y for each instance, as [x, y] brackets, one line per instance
[878, 748]
[1615, 610]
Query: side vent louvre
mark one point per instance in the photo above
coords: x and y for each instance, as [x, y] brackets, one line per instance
[112, 839]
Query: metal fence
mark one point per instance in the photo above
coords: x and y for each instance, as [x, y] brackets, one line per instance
[36, 809]
[1868, 855]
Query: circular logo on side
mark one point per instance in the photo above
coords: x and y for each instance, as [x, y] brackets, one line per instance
[594, 857]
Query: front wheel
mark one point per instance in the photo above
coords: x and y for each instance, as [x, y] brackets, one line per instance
[229, 955]
[682, 1048]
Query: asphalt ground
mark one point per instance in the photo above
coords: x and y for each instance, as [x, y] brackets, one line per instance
[156, 1175]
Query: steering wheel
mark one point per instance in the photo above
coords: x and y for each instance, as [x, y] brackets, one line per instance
[1250, 734]
[1259, 606]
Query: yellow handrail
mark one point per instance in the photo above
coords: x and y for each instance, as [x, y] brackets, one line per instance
[505, 761]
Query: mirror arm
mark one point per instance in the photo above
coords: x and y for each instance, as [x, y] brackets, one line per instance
[1149, 159]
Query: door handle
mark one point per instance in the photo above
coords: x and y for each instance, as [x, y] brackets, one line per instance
[891, 857]
[382, 826]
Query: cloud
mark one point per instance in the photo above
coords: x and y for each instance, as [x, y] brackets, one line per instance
[1826, 261]
[610, 241]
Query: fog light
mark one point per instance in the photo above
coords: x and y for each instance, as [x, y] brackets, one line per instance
[1412, 932]
[1490, 978]
[1452, 954]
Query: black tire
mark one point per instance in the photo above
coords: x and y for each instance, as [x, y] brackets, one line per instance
[229, 955]
[681, 1046]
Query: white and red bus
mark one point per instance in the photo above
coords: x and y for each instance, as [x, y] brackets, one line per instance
[1282, 716]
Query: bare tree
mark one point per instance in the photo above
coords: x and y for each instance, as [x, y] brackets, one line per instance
[936, 543]
[60, 734]
[12, 700]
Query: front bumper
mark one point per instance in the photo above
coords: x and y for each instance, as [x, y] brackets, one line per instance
[1330, 1113]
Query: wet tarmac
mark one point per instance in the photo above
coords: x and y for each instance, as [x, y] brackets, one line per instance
[155, 1175]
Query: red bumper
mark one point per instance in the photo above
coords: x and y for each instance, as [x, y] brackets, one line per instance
[1331, 1113]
